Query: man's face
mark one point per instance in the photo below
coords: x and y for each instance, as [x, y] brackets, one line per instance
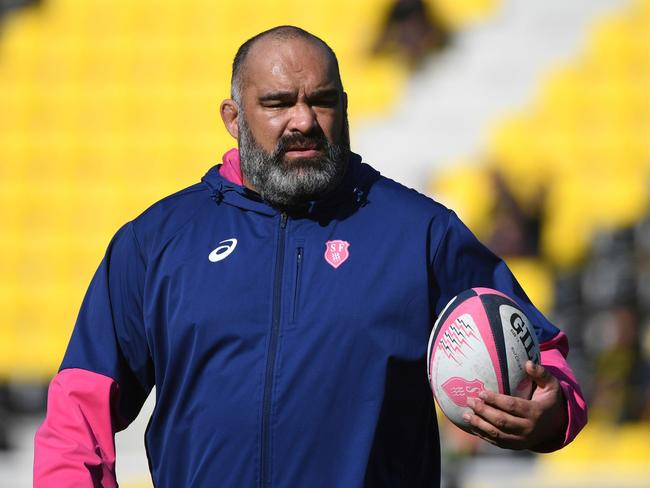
[293, 136]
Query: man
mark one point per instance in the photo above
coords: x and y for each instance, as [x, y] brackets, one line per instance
[282, 308]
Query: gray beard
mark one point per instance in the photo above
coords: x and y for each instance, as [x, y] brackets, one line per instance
[291, 184]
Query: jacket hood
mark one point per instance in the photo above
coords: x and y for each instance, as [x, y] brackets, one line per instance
[226, 184]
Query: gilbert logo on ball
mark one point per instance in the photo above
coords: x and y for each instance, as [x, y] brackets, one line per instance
[481, 340]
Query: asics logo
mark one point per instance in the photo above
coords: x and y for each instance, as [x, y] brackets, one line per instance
[223, 251]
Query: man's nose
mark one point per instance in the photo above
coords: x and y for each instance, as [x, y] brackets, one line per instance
[303, 119]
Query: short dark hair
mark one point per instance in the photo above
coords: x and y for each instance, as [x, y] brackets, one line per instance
[282, 32]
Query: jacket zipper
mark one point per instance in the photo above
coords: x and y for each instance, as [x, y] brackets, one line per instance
[296, 290]
[272, 352]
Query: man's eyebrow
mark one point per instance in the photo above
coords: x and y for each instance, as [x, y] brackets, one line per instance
[286, 94]
[276, 95]
[325, 93]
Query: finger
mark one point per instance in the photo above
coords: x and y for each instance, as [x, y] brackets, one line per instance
[517, 407]
[499, 419]
[539, 374]
[490, 433]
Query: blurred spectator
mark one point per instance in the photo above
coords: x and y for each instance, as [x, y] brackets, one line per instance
[615, 326]
[515, 231]
[643, 374]
[642, 246]
[413, 31]
[603, 305]
[4, 417]
[7, 6]
[609, 273]
[612, 337]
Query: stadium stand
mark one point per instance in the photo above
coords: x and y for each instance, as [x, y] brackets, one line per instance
[106, 106]
[577, 157]
[7, 6]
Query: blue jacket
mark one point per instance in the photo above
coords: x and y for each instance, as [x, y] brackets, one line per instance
[286, 350]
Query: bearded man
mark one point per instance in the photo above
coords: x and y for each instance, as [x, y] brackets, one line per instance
[282, 308]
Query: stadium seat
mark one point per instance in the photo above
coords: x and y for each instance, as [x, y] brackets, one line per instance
[467, 188]
[459, 14]
[536, 277]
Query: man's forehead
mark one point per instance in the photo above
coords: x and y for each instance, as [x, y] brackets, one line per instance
[278, 61]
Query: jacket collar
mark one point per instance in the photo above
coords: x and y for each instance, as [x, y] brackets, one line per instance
[226, 184]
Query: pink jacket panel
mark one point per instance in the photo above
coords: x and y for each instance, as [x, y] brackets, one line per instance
[230, 169]
[75, 445]
[553, 358]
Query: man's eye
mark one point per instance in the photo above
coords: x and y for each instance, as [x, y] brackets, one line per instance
[325, 102]
[276, 104]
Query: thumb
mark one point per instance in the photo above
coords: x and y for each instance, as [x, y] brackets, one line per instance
[539, 374]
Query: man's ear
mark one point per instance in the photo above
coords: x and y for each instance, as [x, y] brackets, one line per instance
[229, 114]
[345, 102]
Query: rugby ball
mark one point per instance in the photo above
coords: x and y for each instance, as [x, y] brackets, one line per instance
[481, 340]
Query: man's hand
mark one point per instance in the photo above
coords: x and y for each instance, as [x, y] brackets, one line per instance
[515, 423]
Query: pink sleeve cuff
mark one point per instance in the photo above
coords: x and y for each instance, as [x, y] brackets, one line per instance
[75, 445]
[553, 358]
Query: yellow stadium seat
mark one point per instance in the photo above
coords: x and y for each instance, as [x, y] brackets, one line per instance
[536, 278]
[467, 188]
[578, 204]
[566, 229]
[601, 451]
[618, 199]
[609, 96]
[562, 95]
[611, 41]
[512, 151]
[458, 14]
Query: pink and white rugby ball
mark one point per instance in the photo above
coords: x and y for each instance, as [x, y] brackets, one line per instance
[480, 341]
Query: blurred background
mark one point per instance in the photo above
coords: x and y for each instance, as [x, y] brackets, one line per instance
[530, 119]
